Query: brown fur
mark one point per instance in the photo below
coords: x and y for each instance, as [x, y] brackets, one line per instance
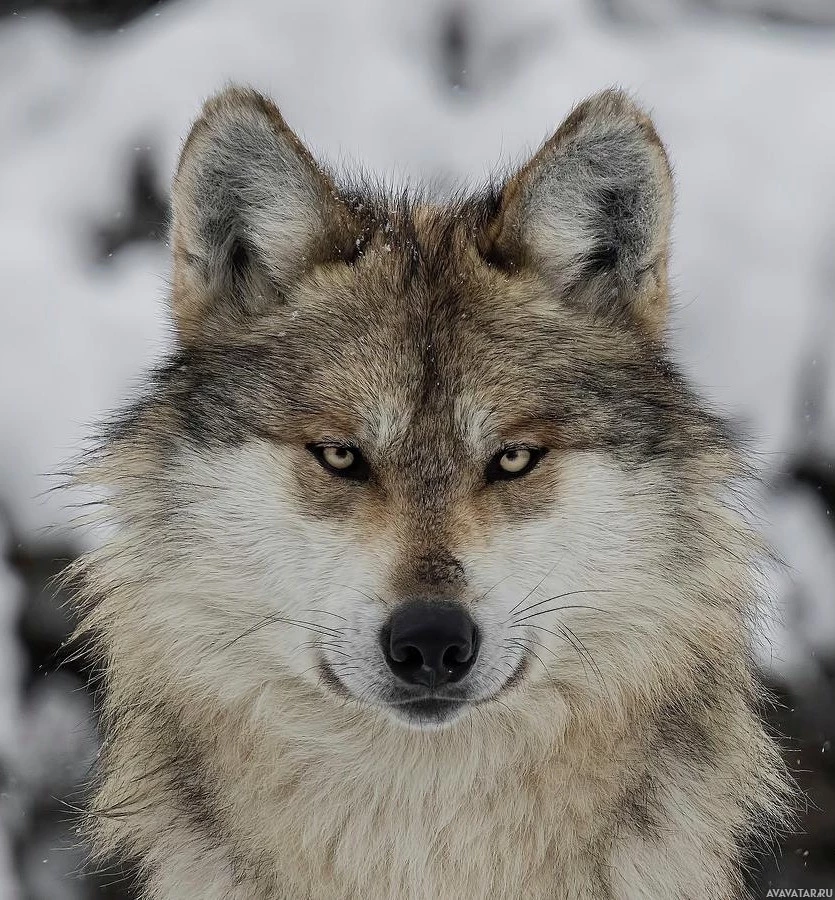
[251, 748]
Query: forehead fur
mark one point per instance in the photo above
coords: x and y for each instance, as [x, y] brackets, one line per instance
[419, 332]
[311, 309]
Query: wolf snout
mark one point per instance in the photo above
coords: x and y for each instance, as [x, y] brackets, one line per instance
[430, 643]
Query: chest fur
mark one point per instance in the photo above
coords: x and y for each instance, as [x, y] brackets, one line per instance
[343, 828]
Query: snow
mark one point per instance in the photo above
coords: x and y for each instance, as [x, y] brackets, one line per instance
[744, 113]
[745, 110]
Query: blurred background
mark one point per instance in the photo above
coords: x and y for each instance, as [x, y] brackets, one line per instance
[95, 97]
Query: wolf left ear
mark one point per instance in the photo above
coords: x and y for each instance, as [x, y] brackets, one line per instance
[592, 211]
[251, 212]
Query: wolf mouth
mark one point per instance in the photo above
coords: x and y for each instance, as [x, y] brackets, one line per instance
[427, 708]
[423, 710]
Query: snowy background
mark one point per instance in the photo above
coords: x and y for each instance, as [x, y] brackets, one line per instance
[95, 96]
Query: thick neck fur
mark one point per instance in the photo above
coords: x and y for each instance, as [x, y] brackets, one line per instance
[282, 794]
[639, 778]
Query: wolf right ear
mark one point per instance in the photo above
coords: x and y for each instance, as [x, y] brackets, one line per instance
[251, 212]
[591, 211]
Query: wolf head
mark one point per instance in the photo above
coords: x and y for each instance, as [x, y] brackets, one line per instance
[419, 458]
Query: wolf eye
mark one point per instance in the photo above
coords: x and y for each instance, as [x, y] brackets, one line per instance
[513, 462]
[341, 459]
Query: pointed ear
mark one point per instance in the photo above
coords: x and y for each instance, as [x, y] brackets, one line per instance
[592, 212]
[251, 213]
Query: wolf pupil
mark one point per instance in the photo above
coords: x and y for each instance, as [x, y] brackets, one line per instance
[515, 461]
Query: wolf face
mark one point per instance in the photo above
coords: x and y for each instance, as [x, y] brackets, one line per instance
[422, 461]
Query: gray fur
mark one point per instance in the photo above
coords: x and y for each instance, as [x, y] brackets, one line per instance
[606, 745]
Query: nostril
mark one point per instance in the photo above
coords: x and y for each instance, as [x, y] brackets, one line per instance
[408, 655]
[430, 643]
[457, 654]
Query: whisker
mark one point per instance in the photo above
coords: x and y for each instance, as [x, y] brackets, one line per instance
[322, 628]
[277, 616]
[538, 644]
[326, 612]
[533, 590]
[275, 619]
[560, 597]
[567, 634]
[373, 597]
[493, 588]
[543, 612]
[519, 643]
[586, 650]
[334, 647]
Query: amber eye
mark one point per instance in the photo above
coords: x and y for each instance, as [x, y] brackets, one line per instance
[513, 462]
[341, 459]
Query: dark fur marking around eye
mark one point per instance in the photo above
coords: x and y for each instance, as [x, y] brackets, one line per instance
[494, 471]
[359, 469]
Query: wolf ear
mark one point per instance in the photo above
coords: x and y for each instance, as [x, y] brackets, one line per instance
[592, 211]
[251, 212]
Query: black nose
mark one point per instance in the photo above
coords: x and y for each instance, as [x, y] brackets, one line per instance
[430, 643]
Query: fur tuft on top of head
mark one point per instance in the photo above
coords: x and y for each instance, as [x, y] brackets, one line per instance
[253, 212]
[592, 209]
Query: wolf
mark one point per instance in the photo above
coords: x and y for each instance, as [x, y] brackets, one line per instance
[426, 574]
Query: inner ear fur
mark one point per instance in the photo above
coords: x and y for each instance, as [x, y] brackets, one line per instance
[591, 211]
[251, 212]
